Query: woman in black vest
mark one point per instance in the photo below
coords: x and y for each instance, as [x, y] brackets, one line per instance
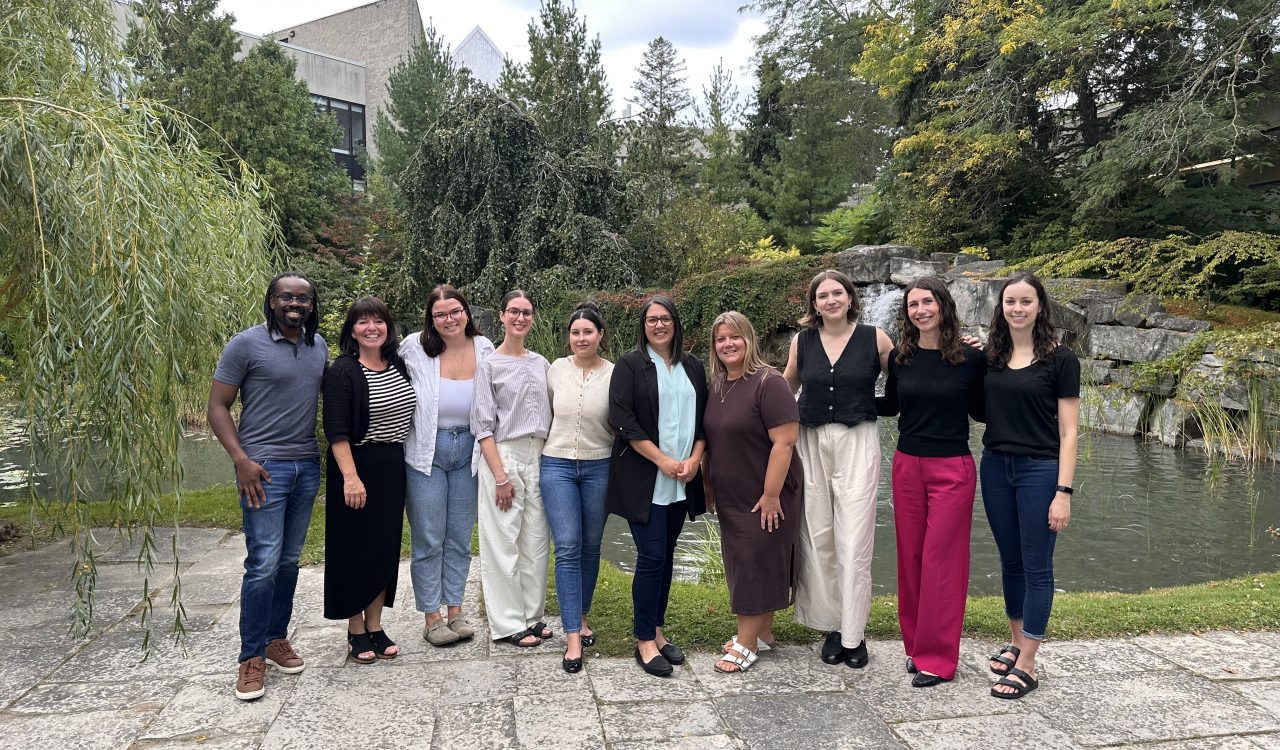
[834, 363]
[656, 399]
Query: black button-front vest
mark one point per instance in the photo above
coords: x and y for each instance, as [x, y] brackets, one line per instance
[845, 393]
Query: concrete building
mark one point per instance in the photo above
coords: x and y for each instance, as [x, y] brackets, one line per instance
[481, 56]
[374, 37]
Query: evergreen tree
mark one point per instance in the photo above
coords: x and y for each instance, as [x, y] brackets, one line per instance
[254, 108]
[723, 170]
[419, 89]
[659, 138]
[563, 87]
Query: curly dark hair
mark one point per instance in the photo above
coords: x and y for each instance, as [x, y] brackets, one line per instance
[309, 325]
[1044, 336]
[948, 325]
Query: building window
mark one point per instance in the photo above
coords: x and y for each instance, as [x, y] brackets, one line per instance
[350, 119]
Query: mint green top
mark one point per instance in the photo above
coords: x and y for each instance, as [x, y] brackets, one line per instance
[677, 404]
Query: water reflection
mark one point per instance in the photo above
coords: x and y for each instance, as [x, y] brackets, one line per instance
[1143, 515]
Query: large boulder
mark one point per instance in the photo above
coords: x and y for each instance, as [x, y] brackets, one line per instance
[977, 268]
[1134, 344]
[1113, 410]
[1173, 423]
[906, 270]
[1178, 323]
[869, 264]
[1159, 385]
[1096, 371]
[975, 299]
[1072, 325]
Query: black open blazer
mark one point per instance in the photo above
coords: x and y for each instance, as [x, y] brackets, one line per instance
[633, 412]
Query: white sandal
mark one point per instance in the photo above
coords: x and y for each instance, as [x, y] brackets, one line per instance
[761, 645]
[744, 659]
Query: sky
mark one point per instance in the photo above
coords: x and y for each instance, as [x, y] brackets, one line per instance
[703, 31]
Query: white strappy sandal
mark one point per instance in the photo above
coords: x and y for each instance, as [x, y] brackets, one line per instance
[739, 655]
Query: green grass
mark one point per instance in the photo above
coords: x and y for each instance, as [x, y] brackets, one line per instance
[698, 616]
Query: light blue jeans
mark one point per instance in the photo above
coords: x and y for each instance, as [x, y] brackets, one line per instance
[573, 497]
[274, 533]
[442, 512]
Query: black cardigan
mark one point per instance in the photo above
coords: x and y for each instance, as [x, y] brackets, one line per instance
[633, 412]
[346, 399]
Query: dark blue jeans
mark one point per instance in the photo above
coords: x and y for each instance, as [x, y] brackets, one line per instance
[573, 498]
[1016, 493]
[273, 535]
[655, 559]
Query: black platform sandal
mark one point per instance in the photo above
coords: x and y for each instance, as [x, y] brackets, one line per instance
[360, 644]
[381, 643]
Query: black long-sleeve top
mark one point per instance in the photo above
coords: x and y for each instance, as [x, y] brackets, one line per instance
[933, 400]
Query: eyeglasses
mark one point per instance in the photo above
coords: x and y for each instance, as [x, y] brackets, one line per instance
[653, 321]
[288, 299]
[513, 312]
[448, 314]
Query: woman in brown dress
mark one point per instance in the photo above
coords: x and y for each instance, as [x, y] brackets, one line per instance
[754, 483]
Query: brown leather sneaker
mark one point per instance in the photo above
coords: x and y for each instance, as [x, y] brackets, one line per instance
[250, 684]
[280, 654]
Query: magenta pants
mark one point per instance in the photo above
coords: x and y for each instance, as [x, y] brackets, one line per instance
[933, 516]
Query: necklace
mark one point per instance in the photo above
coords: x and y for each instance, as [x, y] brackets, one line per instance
[725, 394]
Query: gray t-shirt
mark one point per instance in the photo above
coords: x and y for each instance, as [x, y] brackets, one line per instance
[279, 384]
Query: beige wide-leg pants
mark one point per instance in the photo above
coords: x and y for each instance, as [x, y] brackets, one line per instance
[841, 474]
[515, 545]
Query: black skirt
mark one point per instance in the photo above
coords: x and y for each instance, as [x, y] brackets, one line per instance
[362, 547]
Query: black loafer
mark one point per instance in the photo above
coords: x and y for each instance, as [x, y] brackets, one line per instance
[856, 657]
[658, 666]
[672, 653]
[911, 666]
[922, 680]
[832, 651]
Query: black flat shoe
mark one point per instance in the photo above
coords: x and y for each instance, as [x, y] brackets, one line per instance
[832, 651]
[922, 680]
[658, 666]
[588, 640]
[856, 657]
[672, 653]
[572, 666]
[911, 666]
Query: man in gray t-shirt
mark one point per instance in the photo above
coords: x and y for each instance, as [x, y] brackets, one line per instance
[275, 368]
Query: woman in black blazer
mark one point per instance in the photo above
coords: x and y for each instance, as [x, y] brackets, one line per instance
[656, 399]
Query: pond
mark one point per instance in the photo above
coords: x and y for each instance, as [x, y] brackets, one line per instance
[1143, 515]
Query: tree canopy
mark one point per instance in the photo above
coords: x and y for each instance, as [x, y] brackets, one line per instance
[127, 256]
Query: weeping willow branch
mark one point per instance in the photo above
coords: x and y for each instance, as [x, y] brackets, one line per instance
[130, 256]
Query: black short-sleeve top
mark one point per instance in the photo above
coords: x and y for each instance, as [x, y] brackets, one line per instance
[843, 392]
[1022, 405]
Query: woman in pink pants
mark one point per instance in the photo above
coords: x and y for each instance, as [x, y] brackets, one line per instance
[934, 386]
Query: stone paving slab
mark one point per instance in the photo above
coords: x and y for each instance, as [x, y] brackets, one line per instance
[1155, 692]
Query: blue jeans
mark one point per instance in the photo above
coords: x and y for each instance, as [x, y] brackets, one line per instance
[573, 497]
[1016, 493]
[442, 512]
[655, 560]
[273, 536]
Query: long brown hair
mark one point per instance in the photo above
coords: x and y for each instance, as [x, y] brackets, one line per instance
[432, 343]
[812, 318]
[1044, 339]
[948, 324]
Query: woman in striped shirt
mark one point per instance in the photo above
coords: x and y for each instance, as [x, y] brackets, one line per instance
[510, 417]
[368, 404]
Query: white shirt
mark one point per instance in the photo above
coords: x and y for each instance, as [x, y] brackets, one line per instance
[420, 447]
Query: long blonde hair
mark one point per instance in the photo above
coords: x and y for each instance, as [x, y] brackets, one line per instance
[752, 361]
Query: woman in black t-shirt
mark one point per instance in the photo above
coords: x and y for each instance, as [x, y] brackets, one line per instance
[934, 386]
[1032, 398]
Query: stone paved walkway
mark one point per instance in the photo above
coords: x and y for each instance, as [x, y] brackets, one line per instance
[1167, 692]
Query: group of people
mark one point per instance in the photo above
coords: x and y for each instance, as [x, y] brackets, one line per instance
[452, 431]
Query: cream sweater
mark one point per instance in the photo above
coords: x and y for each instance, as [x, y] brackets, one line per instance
[579, 412]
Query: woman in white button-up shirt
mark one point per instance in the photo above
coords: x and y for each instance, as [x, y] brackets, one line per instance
[442, 457]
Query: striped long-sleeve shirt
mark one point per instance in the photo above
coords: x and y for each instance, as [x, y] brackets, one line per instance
[511, 397]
